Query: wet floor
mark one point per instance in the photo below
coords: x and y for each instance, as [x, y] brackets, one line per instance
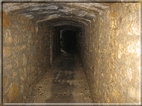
[65, 82]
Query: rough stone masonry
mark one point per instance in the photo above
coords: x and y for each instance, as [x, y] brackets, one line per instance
[108, 45]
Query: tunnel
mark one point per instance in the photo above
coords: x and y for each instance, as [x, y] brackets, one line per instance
[71, 52]
[68, 40]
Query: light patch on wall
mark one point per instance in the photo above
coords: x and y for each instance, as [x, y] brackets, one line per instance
[24, 59]
[8, 32]
[82, 13]
[51, 7]
[132, 92]
[138, 50]
[36, 28]
[119, 54]
[8, 37]
[7, 6]
[30, 16]
[49, 17]
[12, 92]
[129, 73]
[135, 30]
[134, 47]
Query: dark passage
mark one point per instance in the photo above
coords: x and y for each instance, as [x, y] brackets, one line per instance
[69, 41]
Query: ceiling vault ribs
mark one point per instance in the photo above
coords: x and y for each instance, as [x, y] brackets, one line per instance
[86, 7]
[48, 11]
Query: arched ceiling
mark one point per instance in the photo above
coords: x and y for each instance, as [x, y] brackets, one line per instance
[80, 12]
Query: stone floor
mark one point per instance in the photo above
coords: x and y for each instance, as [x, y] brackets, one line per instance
[65, 82]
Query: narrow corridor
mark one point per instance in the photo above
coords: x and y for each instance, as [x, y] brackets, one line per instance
[64, 83]
[102, 62]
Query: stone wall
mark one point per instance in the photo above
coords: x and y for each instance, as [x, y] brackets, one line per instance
[26, 55]
[108, 45]
[111, 54]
